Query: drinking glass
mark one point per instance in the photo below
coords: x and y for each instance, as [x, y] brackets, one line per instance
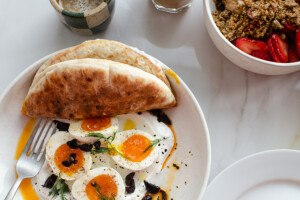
[172, 6]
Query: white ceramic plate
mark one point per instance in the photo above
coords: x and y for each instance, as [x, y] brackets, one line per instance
[270, 175]
[188, 121]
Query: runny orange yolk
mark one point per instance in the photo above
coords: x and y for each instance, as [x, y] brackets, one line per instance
[107, 186]
[63, 153]
[134, 148]
[96, 124]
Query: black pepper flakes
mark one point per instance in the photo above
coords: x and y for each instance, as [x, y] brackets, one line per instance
[176, 166]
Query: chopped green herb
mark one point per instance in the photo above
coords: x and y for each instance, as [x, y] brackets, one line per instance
[97, 135]
[99, 193]
[59, 188]
[116, 150]
[100, 150]
[101, 136]
[112, 138]
[153, 143]
[108, 140]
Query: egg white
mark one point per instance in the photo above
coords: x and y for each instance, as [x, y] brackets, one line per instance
[120, 138]
[77, 132]
[154, 174]
[78, 188]
[56, 140]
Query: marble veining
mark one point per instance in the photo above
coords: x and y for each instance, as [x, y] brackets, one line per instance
[246, 113]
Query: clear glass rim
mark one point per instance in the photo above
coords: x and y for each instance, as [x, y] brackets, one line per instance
[171, 10]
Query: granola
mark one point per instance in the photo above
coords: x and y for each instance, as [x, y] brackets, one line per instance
[256, 19]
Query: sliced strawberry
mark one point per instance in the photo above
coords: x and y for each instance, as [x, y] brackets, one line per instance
[288, 27]
[278, 49]
[248, 45]
[298, 41]
[265, 55]
[293, 57]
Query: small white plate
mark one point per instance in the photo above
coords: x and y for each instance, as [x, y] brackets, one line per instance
[269, 175]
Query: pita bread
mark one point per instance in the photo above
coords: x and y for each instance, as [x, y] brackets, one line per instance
[110, 50]
[85, 88]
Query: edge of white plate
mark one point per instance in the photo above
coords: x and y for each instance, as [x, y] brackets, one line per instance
[208, 166]
[262, 153]
[33, 67]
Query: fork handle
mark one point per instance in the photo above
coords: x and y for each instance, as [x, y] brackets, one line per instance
[13, 189]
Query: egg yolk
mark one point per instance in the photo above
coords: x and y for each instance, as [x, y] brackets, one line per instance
[135, 148]
[101, 185]
[96, 124]
[63, 153]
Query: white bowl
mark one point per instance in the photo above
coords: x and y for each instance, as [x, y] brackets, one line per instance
[188, 121]
[239, 57]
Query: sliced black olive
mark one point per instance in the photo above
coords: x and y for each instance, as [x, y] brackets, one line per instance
[165, 119]
[147, 197]
[66, 163]
[129, 179]
[130, 189]
[97, 145]
[61, 126]
[156, 112]
[163, 195]
[86, 147]
[73, 158]
[73, 144]
[151, 188]
[161, 116]
[50, 181]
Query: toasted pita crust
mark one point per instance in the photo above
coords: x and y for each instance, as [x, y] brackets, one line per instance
[84, 88]
[110, 50]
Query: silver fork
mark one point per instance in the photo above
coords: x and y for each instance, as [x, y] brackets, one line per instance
[33, 155]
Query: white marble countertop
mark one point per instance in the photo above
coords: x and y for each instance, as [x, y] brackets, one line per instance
[245, 112]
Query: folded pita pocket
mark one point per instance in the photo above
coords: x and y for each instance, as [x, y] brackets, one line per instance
[110, 50]
[84, 88]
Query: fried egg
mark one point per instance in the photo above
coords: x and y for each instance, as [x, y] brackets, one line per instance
[134, 149]
[64, 161]
[99, 183]
[104, 125]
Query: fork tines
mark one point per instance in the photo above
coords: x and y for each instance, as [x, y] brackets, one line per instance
[36, 144]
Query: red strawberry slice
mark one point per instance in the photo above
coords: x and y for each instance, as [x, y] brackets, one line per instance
[288, 27]
[262, 55]
[293, 57]
[298, 41]
[278, 49]
[248, 45]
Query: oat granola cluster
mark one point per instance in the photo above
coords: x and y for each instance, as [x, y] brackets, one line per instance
[255, 18]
